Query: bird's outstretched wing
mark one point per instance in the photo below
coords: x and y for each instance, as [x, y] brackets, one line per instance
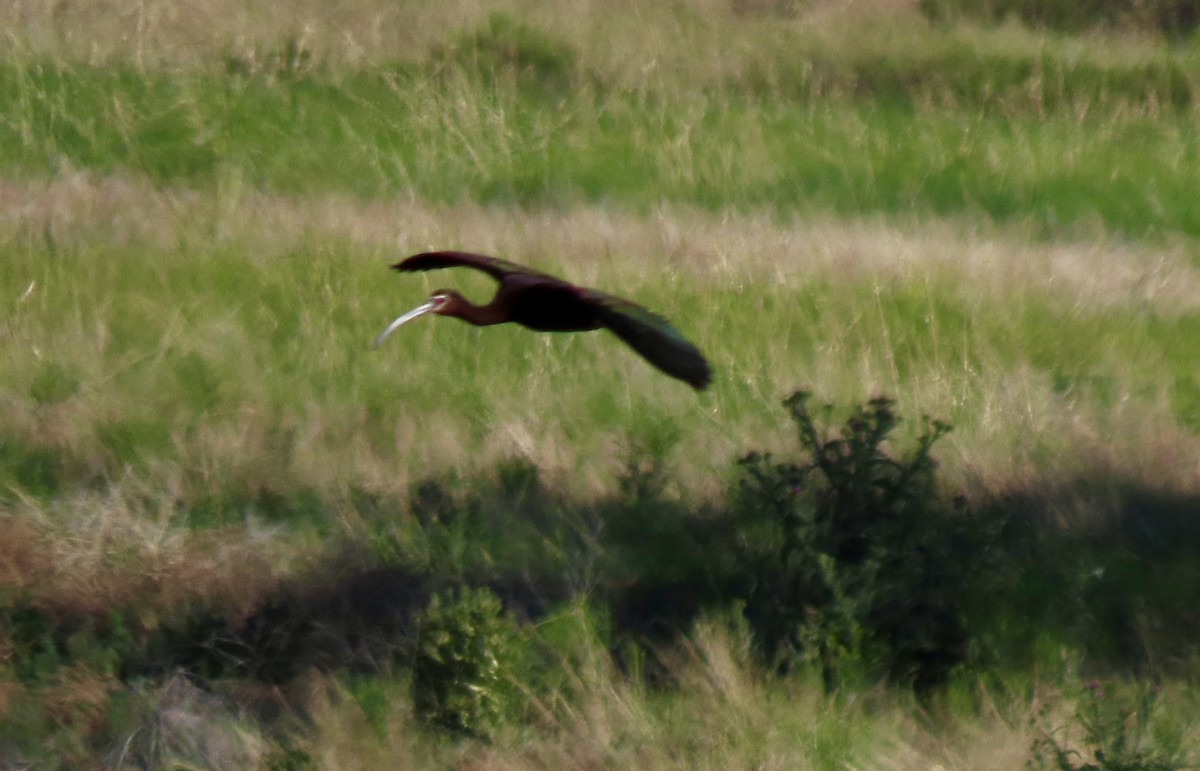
[646, 332]
[493, 266]
[653, 337]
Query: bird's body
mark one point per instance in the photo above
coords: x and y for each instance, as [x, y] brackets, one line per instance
[548, 304]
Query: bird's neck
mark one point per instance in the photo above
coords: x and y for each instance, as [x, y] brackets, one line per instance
[477, 315]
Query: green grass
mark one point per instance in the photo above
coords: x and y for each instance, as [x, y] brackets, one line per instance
[222, 359]
[511, 115]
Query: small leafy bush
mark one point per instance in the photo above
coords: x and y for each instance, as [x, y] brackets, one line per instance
[37, 643]
[55, 383]
[1173, 17]
[853, 561]
[466, 648]
[1113, 729]
[504, 45]
[30, 470]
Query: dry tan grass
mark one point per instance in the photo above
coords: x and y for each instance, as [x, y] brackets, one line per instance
[89, 553]
[981, 262]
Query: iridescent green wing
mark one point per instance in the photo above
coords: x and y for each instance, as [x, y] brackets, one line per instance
[653, 337]
[493, 266]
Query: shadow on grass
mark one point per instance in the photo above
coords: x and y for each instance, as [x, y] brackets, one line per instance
[1107, 593]
[1119, 589]
[1104, 569]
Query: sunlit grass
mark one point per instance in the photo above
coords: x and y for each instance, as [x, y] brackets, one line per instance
[521, 111]
[721, 712]
[143, 343]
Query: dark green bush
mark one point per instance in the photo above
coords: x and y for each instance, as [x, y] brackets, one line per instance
[26, 469]
[38, 642]
[1172, 17]
[55, 383]
[1115, 728]
[504, 45]
[852, 558]
[466, 649]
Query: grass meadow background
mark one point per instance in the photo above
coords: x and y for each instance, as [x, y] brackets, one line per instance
[992, 223]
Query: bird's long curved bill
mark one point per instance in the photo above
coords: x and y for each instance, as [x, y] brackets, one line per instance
[420, 310]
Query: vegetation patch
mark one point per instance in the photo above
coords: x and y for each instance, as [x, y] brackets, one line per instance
[1177, 18]
[236, 537]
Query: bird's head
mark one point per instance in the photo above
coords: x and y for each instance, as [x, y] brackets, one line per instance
[441, 301]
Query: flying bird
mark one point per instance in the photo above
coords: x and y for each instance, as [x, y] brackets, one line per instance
[547, 304]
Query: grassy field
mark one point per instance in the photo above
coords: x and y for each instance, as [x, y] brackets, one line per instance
[225, 514]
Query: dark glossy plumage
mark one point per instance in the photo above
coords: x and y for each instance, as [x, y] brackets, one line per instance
[548, 304]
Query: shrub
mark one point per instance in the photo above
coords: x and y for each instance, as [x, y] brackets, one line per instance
[466, 649]
[1113, 728]
[852, 559]
[1172, 17]
[37, 643]
[504, 45]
